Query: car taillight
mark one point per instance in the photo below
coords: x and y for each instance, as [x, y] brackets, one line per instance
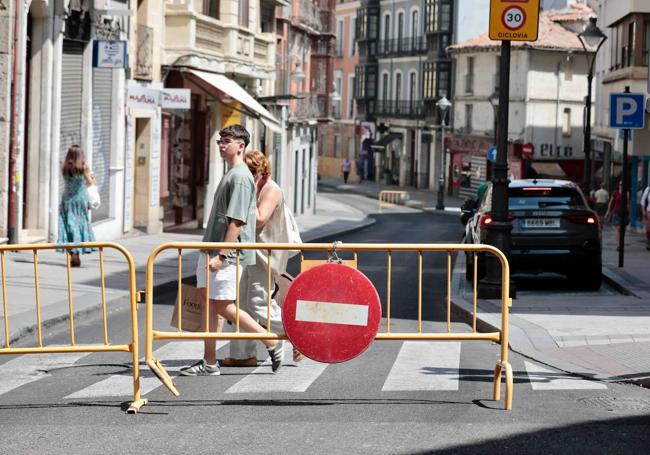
[484, 220]
[583, 219]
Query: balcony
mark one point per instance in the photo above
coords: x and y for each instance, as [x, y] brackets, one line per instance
[399, 108]
[402, 47]
[216, 45]
[310, 106]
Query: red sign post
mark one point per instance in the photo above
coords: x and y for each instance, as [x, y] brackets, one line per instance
[331, 313]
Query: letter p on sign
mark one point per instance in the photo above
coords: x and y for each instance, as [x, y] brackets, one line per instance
[627, 110]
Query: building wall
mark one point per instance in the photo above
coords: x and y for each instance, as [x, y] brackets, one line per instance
[6, 48]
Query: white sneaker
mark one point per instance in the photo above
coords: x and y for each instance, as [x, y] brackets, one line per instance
[201, 368]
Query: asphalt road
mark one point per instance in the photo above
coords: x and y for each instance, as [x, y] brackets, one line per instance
[397, 397]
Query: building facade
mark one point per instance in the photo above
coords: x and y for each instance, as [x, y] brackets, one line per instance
[622, 62]
[305, 48]
[339, 139]
[547, 88]
[148, 124]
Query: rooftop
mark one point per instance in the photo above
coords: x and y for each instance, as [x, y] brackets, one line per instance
[552, 34]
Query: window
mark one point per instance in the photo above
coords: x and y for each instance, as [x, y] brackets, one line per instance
[630, 44]
[400, 26]
[413, 96]
[353, 35]
[360, 77]
[398, 86]
[351, 96]
[337, 104]
[646, 43]
[387, 27]
[350, 148]
[566, 122]
[469, 110]
[438, 15]
[243, 13]
[469, 76]
[211, 8]
[337, 146]
[339, 38]
[429, 77]
[415, 29]
[436, 79]
[384, 87]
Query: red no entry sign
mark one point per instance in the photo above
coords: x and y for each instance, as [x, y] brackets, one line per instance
[331, 313]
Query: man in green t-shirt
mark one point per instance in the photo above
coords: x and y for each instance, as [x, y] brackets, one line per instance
[232, 219]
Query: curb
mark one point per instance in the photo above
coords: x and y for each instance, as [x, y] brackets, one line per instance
[413, 205]
[121, 303]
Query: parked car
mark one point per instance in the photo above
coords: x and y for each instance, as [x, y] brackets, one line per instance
[553, 230]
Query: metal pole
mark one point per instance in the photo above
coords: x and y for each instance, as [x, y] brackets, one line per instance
[441, 179]
[587, 135]
[498, 232]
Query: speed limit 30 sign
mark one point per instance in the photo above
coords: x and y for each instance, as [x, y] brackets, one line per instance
[514, 20]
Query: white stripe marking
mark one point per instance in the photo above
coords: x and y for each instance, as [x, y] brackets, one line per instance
[543, 379]
[32, 367]
[331, 313]
[290, 378]
[425, 365]
[122, 385]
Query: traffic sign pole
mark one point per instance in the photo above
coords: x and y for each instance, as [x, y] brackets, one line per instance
[621, 245]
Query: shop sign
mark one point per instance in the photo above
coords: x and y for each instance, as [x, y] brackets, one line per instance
[109, 54]
[142, 98]
[549, 151]
[230, 115]
[175, 98]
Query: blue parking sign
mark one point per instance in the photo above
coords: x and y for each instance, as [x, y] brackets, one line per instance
[492, 154]
[627, 110]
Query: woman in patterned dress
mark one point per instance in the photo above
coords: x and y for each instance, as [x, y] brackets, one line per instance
[74, 223]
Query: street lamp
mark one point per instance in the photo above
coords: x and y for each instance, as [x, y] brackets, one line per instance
[443, 105]
[591, 37]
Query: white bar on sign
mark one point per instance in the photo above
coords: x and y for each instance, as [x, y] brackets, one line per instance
[331, 313]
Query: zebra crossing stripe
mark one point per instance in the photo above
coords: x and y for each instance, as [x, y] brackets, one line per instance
[425, 365]
[33, 367]
[173, 355]
[543, 379]
[289, 378]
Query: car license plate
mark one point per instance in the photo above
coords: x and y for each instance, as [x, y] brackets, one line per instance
[542, 223]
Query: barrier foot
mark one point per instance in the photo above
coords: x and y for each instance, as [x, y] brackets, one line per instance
[162, 375]
[496, 394]
[509, 387]
[136, 405]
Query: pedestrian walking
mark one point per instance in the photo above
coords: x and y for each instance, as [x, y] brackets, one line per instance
[645, 210]
[232, 219]
[346, 166]
[615, 211]
[601, 198]
[359, 168]
[74, 222]
[271, 228]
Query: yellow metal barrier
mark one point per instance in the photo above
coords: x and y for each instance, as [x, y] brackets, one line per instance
[132, 347]
[500, 336]
[390, 198]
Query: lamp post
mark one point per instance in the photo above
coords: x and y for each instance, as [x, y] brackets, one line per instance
[443, 105]
[591, 37]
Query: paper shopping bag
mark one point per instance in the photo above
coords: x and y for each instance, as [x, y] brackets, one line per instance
[192, 315]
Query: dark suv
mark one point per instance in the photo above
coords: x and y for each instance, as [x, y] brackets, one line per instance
[553, 230]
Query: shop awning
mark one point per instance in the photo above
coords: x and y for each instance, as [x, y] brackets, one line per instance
[384, 141]
[234, 90]
[548, 169]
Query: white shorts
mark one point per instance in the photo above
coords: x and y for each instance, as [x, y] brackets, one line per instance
[223, 282]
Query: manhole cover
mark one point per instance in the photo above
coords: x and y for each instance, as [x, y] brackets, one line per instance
[615, 404]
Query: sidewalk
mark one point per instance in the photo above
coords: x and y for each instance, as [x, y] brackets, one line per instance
[419, 199]
[603, 335]
[331, 218]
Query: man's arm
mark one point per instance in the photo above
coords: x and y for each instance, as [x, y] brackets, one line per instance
[232, 234]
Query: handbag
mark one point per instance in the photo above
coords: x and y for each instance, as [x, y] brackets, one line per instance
[94, 201]
[192, 311]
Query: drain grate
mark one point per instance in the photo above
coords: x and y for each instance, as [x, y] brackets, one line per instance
[616, 404]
